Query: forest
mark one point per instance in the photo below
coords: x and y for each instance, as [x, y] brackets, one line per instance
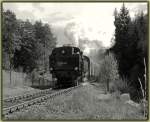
[130, 49]
[25, 45]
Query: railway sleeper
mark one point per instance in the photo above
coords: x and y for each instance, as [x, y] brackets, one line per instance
[13, 109]
[23, 96]
[21, 106]
[29, 104]
[32, 102]
[38, 100]
[25, 105]
[43, 99]
[20, 97]
[18, 108]
[17, 98]
[8, 100]
[27, 95]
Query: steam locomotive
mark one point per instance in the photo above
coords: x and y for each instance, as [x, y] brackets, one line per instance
[68, 66]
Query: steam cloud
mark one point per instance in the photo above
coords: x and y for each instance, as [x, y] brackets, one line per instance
[79, 37]
[71, 33]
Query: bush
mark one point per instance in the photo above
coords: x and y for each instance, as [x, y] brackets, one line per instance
[109, 69]
[121, 85]
[33, 77]
[109, 74]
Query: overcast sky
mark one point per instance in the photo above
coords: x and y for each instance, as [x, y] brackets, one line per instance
[92, 21]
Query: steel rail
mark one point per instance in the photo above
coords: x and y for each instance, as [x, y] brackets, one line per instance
[25, 96]
[20, 106]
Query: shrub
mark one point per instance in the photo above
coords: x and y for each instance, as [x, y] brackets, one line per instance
[109, 70]
[109, 75]
[123, 85]
[33, 77]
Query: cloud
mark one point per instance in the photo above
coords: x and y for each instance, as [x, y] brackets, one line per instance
[134, 7]
[38, 6]
[75, 22]
[139, 8]
[57, 17]
[61, 39]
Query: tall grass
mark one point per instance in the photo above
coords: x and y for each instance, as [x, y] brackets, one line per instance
[17, 78]
[144, 104]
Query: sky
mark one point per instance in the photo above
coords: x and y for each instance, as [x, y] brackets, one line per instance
[75, 22]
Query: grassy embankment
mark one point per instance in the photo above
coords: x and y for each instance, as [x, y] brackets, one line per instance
[87, 103]
[18, 85]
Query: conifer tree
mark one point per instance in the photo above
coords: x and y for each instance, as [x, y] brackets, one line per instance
[122, 24]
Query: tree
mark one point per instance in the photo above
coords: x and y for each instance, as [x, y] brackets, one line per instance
[10, 39]
[10, 36]
[45, 40]
[26, 56]
[130, 47]
[25, 43]
[140, 35]
[109, 70]
[122, 24]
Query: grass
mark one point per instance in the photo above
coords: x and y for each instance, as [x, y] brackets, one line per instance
[80, 105]
[17, 86]
[17, 79]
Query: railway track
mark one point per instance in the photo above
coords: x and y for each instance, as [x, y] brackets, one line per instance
[8, 110]
[18, 99]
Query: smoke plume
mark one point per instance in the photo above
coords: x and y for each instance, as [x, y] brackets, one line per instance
[80, 36]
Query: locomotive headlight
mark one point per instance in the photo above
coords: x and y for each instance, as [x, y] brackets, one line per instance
[76, 68]
[51, 69]
[63, 52]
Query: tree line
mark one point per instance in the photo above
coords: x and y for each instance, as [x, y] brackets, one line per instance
[131, 49]
[25, 45]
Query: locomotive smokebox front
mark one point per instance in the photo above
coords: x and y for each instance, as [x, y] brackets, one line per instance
[65, 63]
